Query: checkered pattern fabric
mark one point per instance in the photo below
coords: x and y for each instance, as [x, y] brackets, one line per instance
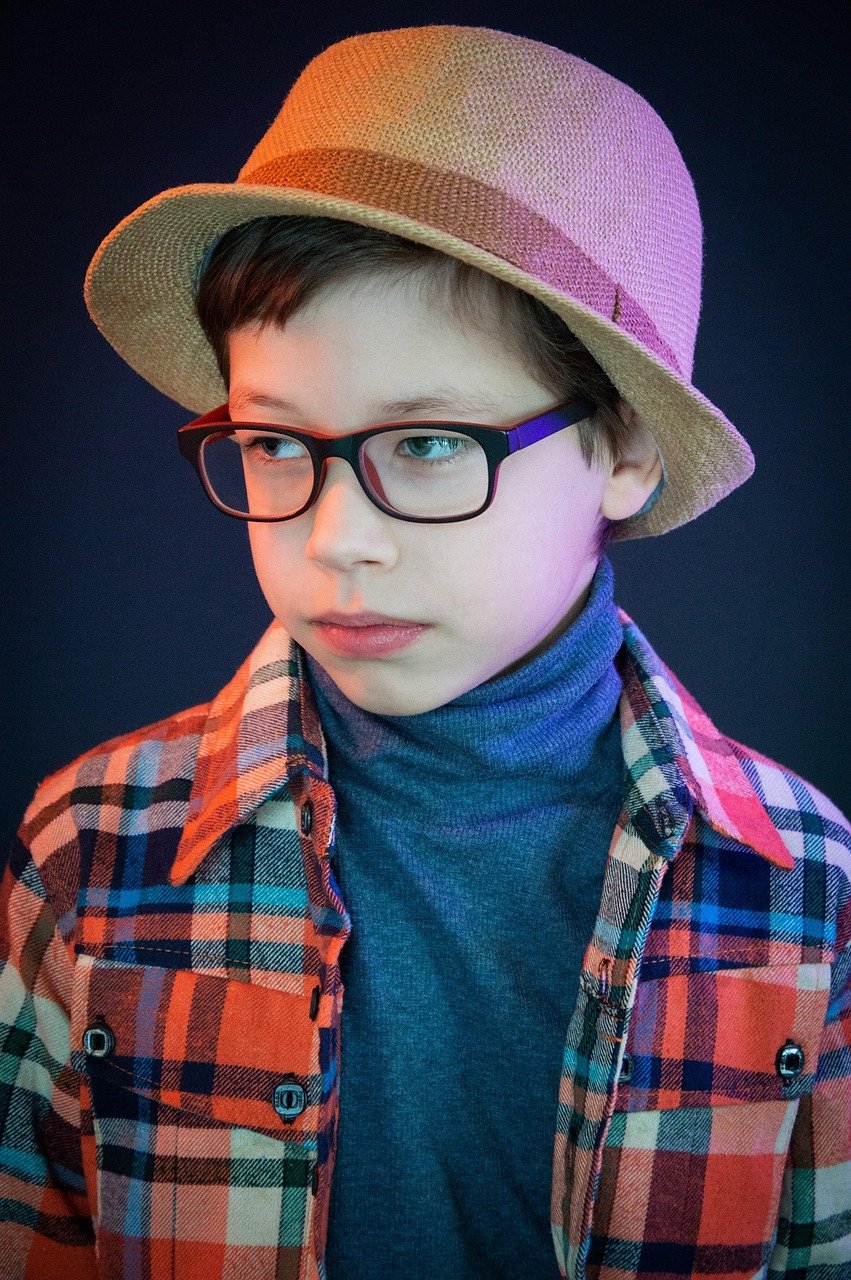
[170, 1006]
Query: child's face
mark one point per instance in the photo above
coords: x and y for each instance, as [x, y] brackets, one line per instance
[496, 589]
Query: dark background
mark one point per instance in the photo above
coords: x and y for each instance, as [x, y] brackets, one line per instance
[128, 597]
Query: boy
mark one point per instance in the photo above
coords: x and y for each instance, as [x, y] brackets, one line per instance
[451, 938]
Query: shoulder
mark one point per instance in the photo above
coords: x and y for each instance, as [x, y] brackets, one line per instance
[761, 876]
[144, 756]
[796, 807]
[764, 910]
[123, 783]
[117, 813]
[730, 780]
[815, 831]
[767, 853]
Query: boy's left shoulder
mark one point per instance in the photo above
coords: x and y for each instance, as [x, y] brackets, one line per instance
[784, 792]
[742, 793]
[815, 888]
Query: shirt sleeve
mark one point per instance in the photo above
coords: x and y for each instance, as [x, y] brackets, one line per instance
[814, 1226]
[47, 1223]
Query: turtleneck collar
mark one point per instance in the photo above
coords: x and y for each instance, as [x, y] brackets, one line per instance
[540, 722]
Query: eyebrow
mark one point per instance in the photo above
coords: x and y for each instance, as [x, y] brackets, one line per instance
[388, 410]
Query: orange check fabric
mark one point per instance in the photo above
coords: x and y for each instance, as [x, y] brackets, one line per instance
[170, 1006]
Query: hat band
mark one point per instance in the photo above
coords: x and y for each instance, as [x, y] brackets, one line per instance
[470, 210]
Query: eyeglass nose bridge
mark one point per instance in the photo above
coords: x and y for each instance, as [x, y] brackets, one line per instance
[347, 448]
[322, 470]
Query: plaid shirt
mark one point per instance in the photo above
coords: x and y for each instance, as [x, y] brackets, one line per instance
[171, 997]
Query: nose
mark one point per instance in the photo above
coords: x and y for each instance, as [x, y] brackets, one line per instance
[346, 527]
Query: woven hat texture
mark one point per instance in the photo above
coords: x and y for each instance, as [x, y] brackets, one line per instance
[509, 154]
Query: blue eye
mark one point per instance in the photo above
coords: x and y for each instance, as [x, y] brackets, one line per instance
[448, 448]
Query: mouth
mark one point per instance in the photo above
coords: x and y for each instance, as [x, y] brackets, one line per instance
[364, 619]
[357, 638]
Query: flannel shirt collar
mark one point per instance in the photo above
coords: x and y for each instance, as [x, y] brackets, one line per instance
[263, 730]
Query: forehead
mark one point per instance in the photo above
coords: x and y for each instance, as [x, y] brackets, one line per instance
[385, 352]
[436, 400]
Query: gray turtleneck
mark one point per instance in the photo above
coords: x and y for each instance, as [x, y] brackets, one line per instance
[470, 846]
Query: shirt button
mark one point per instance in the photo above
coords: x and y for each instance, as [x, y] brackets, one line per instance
[306, 818]
[667, 824]
[789, 1061]
[290, 1100]
[98, 1041]
[314, 1002]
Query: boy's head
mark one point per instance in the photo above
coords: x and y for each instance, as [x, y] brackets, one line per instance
[341, 321]
[551, 232]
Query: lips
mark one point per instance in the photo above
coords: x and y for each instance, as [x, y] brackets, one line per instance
[365, 619]
[358, 639]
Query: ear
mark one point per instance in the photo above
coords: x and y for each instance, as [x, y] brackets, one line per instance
[636, 473]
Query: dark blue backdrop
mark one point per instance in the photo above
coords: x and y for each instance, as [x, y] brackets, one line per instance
[127, 597]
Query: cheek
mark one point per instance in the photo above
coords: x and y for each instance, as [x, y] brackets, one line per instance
[548, 511]
[276, 560]
[566, 487]
[477, 571]
[537, 542]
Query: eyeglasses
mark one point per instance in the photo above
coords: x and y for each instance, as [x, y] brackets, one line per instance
[427, 472]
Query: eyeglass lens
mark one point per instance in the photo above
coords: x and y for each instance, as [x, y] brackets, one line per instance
[415, 472]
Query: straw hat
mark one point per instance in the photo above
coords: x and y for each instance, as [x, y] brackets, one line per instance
[523, 160]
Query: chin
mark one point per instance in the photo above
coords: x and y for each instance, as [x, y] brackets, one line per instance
[390, 706]
[391, 702]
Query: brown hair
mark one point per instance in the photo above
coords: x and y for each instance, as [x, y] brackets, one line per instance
[268, 268]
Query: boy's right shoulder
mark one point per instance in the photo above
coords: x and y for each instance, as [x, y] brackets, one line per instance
[143, 767]
[140, 783]
[107, 827]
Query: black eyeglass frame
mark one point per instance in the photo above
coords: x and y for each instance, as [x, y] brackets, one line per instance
[498, 443]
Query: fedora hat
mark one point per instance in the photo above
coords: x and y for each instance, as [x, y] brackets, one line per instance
[506, 153]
